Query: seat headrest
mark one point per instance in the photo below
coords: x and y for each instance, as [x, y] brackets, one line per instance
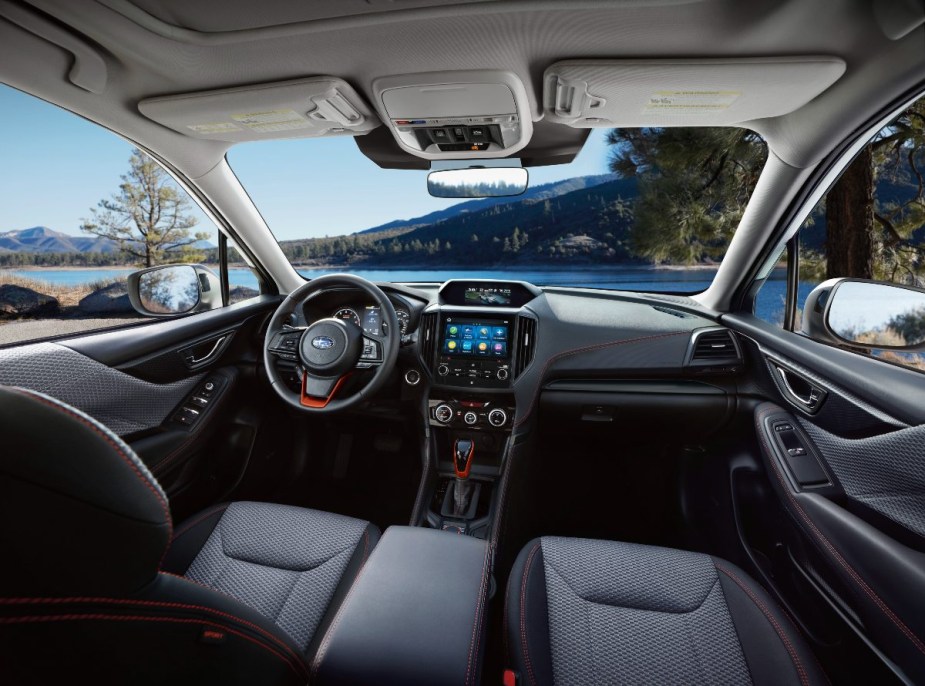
[81, 513]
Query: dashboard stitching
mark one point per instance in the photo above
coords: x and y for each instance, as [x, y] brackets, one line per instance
[589, 348]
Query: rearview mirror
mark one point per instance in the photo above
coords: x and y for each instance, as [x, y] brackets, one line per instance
[867, 314]
[477, 182]
[174, 289]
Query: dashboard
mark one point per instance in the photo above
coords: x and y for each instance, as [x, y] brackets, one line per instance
[468, 345]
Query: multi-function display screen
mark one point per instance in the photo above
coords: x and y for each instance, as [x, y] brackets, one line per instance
[475, 338]
[485, 295]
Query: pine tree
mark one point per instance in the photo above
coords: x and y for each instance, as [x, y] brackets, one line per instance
[149, 217]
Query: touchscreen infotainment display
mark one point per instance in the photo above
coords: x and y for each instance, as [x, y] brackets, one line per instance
[475, 338]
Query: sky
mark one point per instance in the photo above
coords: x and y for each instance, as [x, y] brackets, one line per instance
[55, 166]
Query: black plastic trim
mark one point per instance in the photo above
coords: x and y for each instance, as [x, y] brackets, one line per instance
[898, 392]
[114, 348]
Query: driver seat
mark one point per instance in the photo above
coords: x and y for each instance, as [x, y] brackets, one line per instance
[97, 584]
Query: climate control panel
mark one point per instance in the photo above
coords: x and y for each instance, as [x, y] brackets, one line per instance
[473, 373]
[471, 414]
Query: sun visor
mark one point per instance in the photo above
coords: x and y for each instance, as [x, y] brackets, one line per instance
[698, 92]
[303, 108]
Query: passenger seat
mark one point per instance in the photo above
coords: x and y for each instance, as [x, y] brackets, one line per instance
[582, 611]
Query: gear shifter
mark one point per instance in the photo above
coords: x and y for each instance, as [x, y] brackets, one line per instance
[463, 450]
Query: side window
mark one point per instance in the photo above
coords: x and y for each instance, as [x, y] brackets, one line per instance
[771, 302]
[81, 209]
[243, 282]
[870, 225]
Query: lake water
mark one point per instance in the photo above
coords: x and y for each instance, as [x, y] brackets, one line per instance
[769, 306]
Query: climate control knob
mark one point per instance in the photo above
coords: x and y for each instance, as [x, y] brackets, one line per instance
[443, 413]
[470, 418]
[503, 374]
[497, 418]
[443, 370]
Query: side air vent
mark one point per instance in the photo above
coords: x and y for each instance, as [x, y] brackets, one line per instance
[714, 351]
[525, 345]
[428, 338]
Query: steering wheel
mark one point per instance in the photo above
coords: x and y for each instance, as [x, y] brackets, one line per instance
[328, 351]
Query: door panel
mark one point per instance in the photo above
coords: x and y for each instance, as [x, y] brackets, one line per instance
[141, 383]
[119, 400]
[861, 526]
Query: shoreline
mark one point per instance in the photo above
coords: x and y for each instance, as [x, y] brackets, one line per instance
[406, 268]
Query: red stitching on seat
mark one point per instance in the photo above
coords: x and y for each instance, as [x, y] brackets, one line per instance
[794, 657]
[119, 451]
[476, 624]
[589, 348]
[761, 415]
[152, 603]
[143, 618]
[523, 611]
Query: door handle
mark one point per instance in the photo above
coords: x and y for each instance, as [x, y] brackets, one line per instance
[205, 352]
[205, 358]
[799, 391]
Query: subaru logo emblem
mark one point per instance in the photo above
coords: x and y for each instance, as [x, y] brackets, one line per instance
[323, 342]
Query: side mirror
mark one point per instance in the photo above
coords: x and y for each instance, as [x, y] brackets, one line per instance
[174, 289]
[866, 314]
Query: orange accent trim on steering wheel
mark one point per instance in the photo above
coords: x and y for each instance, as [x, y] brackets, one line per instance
[316, 402]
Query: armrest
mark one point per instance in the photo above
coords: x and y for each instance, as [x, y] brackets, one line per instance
[414, 614]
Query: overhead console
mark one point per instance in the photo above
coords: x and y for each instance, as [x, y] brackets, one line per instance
[302, 108]
[456, 115]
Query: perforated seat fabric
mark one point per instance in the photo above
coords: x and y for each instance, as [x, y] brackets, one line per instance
[285, 562]
[582, 611]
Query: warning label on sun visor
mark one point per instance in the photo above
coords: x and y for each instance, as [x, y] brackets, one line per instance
[214, 127]
[689, 102]
[272, 120]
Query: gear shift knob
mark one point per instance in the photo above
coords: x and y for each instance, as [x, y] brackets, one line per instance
[462, 457]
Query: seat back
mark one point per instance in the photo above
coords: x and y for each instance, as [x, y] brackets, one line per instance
[84, 528]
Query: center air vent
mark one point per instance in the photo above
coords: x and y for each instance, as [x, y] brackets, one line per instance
[714, 350]
[428, 336]
[526, 344]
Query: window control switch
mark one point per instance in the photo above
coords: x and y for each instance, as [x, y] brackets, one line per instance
[187, 416]
[801, 463]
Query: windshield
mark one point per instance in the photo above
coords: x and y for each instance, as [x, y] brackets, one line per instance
[637, 209]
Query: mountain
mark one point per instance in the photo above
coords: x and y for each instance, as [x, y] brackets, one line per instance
[589, 223]
[587, 219]
[542, 192]
[41, 239]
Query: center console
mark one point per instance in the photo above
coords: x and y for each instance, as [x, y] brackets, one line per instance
[480, 338]
[414, 616]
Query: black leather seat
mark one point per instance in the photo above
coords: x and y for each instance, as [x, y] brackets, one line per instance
[582, 611]
[97, 587]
